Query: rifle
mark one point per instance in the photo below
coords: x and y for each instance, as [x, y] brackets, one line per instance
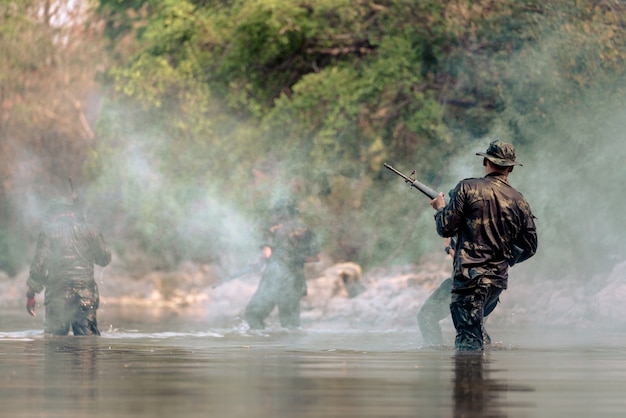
[74, 194]
[250, 268]
[432, 193]
[75, 201]
[518, 253]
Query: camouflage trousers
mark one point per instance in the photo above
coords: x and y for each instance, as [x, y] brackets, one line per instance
[469, 307]
[72, 307]
[281, 286]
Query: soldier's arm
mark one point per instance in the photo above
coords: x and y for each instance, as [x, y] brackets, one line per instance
[527, 241]
[448, 218]
[449, 246]
[38, 268]
[38, 272]
[313, 249]
[102, 253]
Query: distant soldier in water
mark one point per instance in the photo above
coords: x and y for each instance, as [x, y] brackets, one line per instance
[64, 265]
[288, 245]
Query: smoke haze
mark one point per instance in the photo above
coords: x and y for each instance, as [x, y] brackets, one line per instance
[572, 176]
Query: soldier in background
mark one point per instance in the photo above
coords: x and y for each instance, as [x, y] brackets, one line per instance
[288, 245]
[436, 308]
[64, 265]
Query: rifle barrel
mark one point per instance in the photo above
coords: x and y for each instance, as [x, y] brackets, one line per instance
[428, 191]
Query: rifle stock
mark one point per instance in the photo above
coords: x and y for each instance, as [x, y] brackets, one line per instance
[428, 191]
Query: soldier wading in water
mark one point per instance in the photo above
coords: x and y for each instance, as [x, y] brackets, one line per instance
[494, 229]
[288, 245]
[64, 260]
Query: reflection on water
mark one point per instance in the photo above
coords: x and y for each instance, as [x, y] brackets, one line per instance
[472, 393]
[70, 371]
[307, 373]
[477, 395]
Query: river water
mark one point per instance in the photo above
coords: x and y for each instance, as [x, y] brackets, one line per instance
[177, 367]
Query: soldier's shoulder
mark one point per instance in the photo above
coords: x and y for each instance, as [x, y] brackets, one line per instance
[88, 228]
[523, 204]
[471, 180]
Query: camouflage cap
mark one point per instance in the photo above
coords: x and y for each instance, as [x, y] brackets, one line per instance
[500, 153]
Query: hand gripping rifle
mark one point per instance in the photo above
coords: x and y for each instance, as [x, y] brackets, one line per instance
[75, 201]
[432, 193]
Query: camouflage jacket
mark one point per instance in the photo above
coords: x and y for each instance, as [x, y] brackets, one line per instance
[494, 226]
[66, 253]
[292, 242]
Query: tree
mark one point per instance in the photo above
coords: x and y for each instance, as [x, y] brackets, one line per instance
[48, 94]
[328, 90]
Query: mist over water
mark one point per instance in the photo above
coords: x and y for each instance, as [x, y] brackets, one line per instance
[361, 356]
[174, 342]
[572, 177]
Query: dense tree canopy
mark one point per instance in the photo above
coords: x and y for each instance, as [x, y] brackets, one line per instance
[48, 57]
[213, 108]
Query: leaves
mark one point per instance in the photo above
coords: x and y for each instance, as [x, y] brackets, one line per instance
[239, 101]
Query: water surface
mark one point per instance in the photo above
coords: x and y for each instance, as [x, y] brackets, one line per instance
[176, 367]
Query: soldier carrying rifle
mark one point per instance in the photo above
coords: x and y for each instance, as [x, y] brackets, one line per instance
[494, 229]
[288, 245]
[67, 250]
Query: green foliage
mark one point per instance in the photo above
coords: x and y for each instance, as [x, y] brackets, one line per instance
[46, 73]
[250, 99]
[125, 16]
[213, 108]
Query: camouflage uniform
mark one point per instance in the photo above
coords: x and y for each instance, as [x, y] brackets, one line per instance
[495, 229]
[64, 264]
[282, 281]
